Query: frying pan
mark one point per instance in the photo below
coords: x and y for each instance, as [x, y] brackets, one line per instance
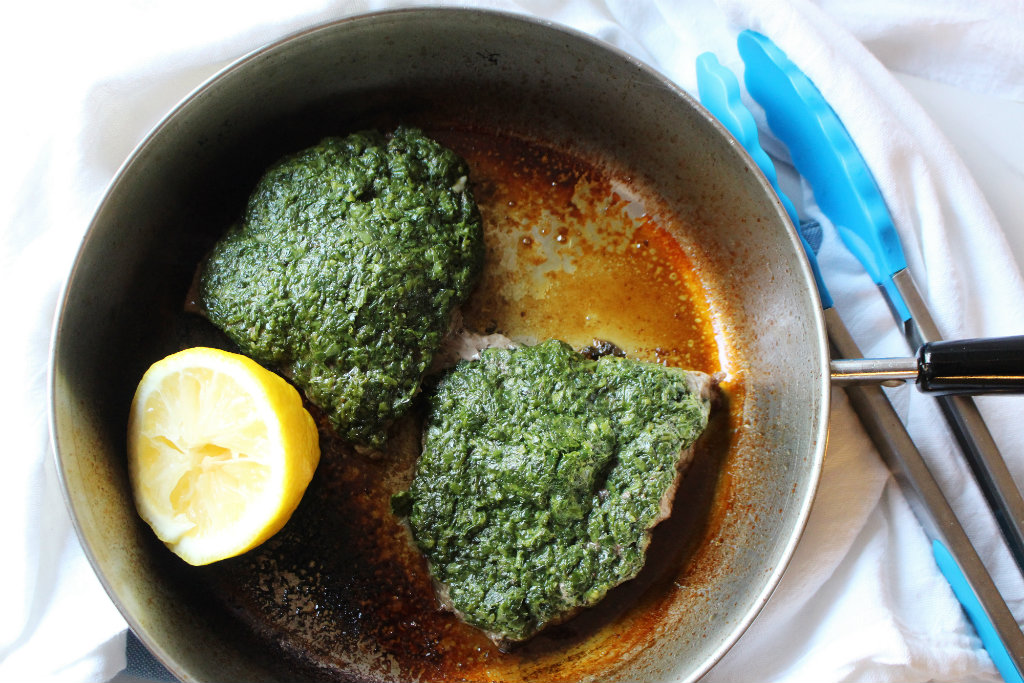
[540, 112]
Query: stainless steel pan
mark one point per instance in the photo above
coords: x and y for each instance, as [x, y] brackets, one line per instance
[325, 600]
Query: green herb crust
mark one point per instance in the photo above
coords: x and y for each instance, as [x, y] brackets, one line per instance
[541, 476]
[343, 274]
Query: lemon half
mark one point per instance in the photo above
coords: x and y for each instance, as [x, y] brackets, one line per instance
[220, 452]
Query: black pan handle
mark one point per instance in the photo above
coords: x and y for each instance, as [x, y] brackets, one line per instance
[972, 366]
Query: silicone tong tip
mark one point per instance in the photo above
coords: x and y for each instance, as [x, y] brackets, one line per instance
[987, 632]
[719, 92]
[824, 153]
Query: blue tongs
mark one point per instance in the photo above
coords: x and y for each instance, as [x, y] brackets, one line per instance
[955, 556]
[825, 154]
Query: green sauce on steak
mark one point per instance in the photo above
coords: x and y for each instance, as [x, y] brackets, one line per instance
[343, 274]
[541, 476]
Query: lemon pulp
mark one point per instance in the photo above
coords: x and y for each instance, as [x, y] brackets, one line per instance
[220, 452]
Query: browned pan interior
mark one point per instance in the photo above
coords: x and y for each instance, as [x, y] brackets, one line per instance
[613, 209]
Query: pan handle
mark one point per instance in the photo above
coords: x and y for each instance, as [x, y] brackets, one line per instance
[963, 367]
[969, 366]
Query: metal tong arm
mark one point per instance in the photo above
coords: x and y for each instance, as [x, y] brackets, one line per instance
[972, 434]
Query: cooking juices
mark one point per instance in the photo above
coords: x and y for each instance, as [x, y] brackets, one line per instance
[574, 252]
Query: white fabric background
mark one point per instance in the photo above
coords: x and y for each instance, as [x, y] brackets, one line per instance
[861, 600]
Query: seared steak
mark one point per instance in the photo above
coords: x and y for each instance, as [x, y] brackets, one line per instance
[541, 477]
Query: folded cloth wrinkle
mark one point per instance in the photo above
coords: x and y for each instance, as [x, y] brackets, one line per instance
[986, 37]
[862, 599]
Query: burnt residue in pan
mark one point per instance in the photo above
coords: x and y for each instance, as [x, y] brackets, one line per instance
[574, 252]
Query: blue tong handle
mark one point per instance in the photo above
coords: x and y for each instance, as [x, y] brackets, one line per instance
[719, 93]
[824, 153]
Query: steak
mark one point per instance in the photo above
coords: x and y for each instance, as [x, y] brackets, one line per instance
[541, 476]
[345, 270]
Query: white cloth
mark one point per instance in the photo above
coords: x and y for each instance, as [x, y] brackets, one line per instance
[861, 601]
